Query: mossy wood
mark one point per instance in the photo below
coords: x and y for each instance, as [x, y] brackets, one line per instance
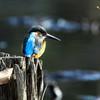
[26, 81]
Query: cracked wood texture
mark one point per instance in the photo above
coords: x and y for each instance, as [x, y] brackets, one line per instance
[26, 81]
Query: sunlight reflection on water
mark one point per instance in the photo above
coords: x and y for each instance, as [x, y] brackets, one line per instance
[51, 23]
[75, 75]
[3, 44]
[88, 97]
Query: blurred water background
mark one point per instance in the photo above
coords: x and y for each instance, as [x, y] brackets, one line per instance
[74, 63]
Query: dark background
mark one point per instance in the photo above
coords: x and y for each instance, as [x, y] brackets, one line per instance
[78, 49]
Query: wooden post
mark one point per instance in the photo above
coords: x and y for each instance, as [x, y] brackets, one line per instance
[24, 82]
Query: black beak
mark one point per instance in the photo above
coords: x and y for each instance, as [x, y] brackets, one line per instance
[52, 37]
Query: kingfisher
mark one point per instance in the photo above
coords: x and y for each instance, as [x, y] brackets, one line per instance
[34, 43]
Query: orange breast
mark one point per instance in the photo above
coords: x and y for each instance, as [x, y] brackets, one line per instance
[41, 52]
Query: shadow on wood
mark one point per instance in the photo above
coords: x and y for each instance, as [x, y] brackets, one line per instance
[24, 82]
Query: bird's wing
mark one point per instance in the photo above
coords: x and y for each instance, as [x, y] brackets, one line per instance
[24, 42]
[28, 45]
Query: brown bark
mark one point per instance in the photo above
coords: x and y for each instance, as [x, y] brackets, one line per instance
[21, 79]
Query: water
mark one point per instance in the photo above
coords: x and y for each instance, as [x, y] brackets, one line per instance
[76, 57]
[80, 83]
[78, 50]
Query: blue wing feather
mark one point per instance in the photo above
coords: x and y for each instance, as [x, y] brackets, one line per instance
[24, 43]
[29, 44]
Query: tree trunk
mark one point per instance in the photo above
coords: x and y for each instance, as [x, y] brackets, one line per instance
[21, 78]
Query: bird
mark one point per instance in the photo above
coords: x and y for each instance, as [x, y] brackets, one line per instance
[34, 43]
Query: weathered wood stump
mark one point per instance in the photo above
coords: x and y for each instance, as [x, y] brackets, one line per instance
[21, 80]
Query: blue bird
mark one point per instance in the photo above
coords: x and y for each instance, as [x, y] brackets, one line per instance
[34, 43]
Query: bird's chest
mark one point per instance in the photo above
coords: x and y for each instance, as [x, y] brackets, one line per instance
[38, 45]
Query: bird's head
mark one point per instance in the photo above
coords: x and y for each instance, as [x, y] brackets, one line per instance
[41, 32]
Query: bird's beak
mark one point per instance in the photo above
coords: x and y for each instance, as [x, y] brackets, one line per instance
[52, 37]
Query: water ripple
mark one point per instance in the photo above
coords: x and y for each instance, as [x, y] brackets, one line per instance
[75, 75]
